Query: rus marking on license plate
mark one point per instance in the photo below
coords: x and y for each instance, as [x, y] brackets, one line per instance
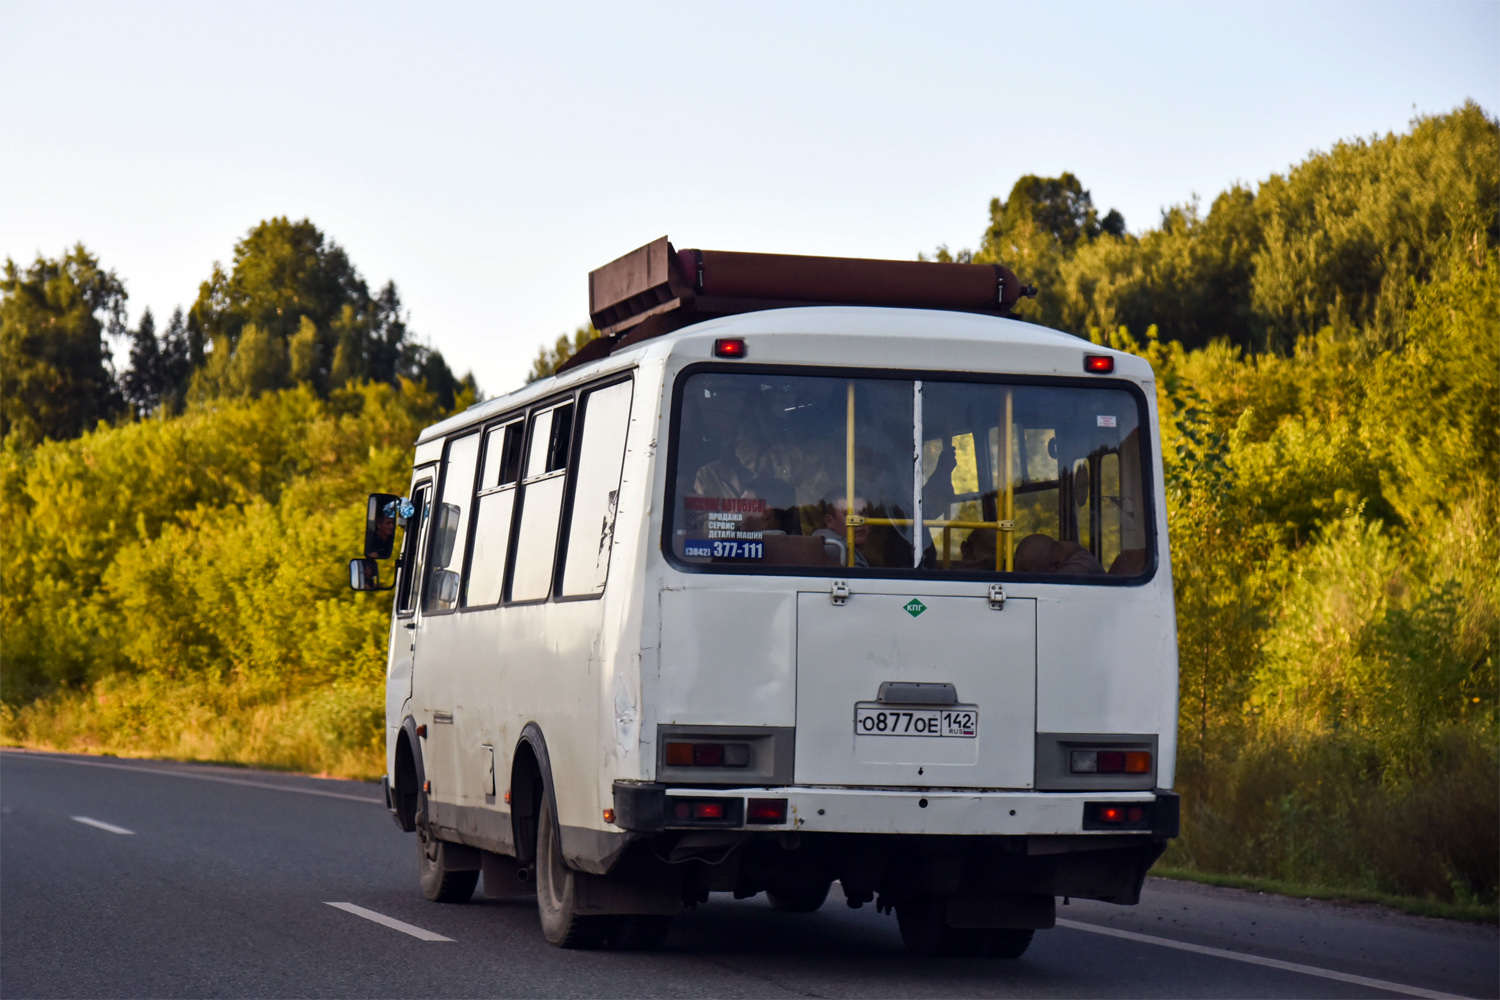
[960, 721]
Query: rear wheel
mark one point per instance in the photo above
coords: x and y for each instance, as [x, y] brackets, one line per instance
[1002, 943]
[440, 883]
[640, 932]
[556, 892]
[925, 931]
[803, 899]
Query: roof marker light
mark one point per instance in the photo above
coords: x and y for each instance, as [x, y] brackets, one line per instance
[730, 347]
[1098, 364]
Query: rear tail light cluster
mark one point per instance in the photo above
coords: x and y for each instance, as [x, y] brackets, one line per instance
[1110, 762]
[766, 811]
[708, 755]
[724, 811]
[1117, 816]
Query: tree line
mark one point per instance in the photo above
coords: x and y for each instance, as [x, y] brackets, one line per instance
[291, 310]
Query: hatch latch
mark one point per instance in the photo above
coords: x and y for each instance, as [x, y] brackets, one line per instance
[997, 597]
[840, 593]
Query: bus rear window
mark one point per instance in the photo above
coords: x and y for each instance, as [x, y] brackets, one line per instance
[935, 477]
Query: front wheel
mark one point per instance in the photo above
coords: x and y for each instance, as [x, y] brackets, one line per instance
[557, 892]
[440, 883]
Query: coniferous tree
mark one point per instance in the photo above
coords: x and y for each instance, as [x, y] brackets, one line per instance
[56, 377]
[143, 382]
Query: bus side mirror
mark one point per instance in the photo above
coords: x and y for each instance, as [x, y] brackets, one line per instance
[380, 526]
[364, 574]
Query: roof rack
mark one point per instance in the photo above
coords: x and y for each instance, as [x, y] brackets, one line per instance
[657, 289]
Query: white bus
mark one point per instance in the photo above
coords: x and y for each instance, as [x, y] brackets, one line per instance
[809, 570]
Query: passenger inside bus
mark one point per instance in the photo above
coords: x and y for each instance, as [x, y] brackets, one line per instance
[1043, 554]
[835, 533]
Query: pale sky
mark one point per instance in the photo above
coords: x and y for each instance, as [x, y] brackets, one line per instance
[486, 156]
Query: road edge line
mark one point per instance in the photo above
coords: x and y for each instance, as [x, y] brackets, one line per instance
[60, 759]
[1270, 963]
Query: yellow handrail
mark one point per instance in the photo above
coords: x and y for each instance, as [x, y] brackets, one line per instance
[1007, 526]
[849, 482]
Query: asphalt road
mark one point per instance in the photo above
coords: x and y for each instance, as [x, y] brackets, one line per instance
[134, 879]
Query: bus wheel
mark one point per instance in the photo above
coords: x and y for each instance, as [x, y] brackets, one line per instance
[439, 883]
[1001, 943]
[804, 899]
[925, 931]
[556, 892]
[640, 932]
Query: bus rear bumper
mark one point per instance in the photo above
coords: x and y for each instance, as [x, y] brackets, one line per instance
[649, 806]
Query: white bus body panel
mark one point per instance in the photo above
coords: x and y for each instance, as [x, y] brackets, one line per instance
[667, 646]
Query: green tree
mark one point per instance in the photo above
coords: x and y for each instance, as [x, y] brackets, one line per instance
[56, 377]
[141, 384]
[548, 359]
[300, 290]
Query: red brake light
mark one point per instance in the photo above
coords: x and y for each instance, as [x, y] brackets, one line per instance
[1098, 364]
[766, 811]
[729, 347]
[1111, 814]
[708, 754]
[708, 810]
[1111, 761]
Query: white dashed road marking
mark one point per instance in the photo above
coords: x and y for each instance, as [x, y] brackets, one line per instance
[101, 825]
[391, 922]
[1270, 963]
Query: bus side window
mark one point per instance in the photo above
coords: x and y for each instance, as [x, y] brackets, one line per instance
[596, 489]
[541, 503]
[411, 551]
[500, 468]
[449, 521]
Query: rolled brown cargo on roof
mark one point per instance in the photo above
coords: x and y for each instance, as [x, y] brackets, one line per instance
[852, 280]
[656, 289]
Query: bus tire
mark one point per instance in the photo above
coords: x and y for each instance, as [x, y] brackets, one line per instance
[1002, 943]
[925, 932]
[640, 932]
[557, 891]
[804, 899]
[439, 882]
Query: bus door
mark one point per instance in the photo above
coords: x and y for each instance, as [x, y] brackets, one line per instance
[406, 622]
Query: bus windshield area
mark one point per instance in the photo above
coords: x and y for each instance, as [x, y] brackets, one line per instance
[930, 477]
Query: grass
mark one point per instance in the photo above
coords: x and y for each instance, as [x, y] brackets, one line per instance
[1477, 913]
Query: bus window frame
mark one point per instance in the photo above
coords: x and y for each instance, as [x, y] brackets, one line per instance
[911, 574]
[425, 476]
[440, 480]
[524, 415]
[521, 417]
[565, 521]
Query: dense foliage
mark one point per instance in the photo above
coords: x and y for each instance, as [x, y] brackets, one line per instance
[1327, 349]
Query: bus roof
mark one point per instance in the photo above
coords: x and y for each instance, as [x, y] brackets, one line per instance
[869, 337]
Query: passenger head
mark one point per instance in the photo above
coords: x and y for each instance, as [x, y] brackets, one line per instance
[835, 512]
[1038, 554]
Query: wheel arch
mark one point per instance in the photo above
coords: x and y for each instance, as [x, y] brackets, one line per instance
[409, 776]
[530, 779]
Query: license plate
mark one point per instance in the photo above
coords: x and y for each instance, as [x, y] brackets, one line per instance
[960, 721]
